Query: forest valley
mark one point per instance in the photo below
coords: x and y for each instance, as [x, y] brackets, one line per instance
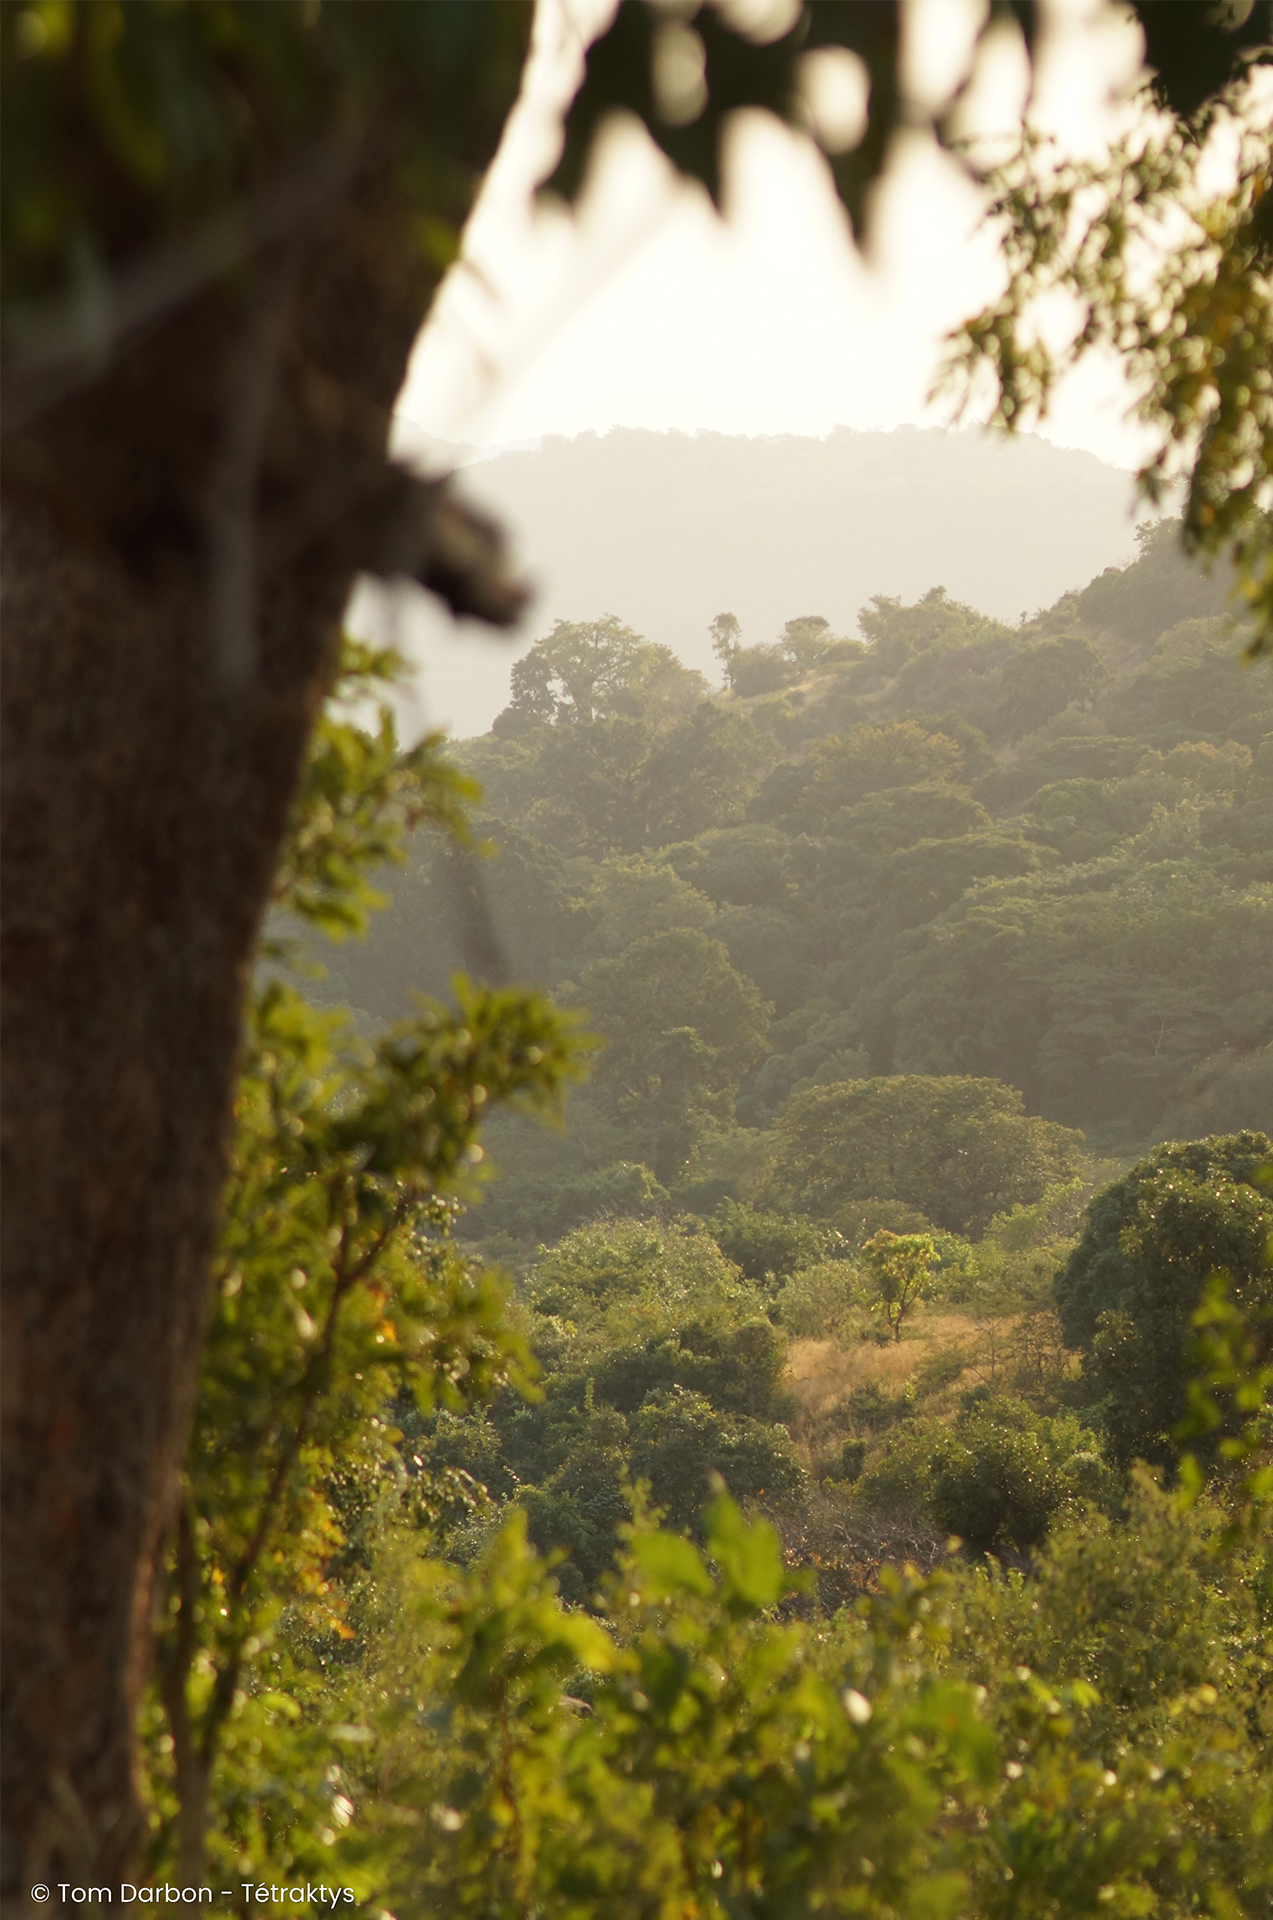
[826, 1469]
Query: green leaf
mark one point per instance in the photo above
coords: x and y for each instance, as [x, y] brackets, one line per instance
[670, 1564]
[749, 1556]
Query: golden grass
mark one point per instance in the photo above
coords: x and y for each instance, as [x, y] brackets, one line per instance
[821, 1373]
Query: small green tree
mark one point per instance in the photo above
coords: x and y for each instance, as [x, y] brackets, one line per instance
[770, 1245]
[901, 1266]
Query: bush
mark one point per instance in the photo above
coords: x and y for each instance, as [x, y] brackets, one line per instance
[900, 1479]
[872, 1406]
[624, 1189]
[578, 1512]
[849, 1462]
[825, 1302]
[679, 1441]
[768, 1244]
[1141, 1608]
[738, 1368]
[998, 1477]
[623, 1277]
[1128, 1292]
[1005, 1475]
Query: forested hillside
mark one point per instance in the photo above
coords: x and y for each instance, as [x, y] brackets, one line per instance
[852, 1494]
[893, 950]
[1033, 854]
[828, 1469]
[668, 528]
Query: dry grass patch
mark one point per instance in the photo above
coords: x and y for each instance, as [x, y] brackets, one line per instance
[823, 1372]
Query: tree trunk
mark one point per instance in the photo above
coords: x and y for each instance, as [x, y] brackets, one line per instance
[180, 540]
[191, 1772]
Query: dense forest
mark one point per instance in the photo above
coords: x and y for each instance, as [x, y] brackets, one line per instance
[1035, 855]
[851, 1492]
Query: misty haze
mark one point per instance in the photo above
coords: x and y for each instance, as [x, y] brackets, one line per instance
[669, 529]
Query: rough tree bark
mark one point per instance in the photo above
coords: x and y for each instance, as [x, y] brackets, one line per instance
[181, 535]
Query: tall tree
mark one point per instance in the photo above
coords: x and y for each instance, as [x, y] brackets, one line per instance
[195, 470]
[682, 1027]
[958, 1149]
[591, 670]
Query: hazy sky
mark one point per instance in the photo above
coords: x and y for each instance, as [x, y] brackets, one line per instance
[668, 529]
[648, 310]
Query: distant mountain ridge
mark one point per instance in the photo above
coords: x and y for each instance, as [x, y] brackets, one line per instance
[668, 529]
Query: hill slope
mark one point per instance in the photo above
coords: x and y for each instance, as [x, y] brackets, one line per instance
[667, 529]
[1033, 854]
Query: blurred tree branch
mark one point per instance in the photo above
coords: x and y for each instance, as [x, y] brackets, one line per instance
[1177, 278]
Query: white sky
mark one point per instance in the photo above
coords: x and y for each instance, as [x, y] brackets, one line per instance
[649, 310]
[646, 309]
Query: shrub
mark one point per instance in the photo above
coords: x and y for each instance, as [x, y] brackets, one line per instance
[624, 1189]
[738, 1368]
[900, 1480]
[1127, 1294]
[1005, 1475]
[873, 1407]
[765, 1244]
[626, 1276]
[849, 1462]
[679, 1440]
[824, 1302]
[998, 1477]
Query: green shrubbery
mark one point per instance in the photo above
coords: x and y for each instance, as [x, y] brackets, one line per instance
[1003, 1477]
[455, 1614]
[769, 1245]
[1128, 1291]
[1082, 1739]
[826, 1301]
